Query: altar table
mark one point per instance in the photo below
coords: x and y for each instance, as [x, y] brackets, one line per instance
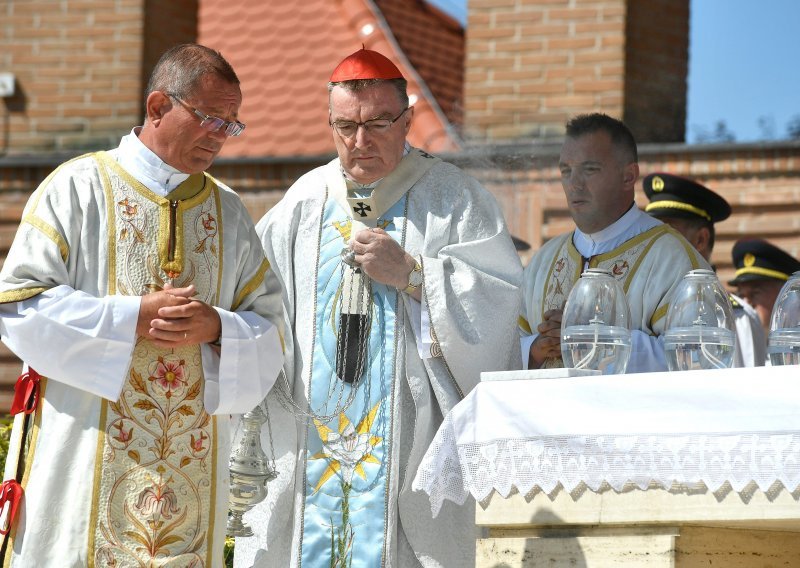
[678, 469]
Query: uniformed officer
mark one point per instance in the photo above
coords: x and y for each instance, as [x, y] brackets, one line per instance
[692, 209]
[761, 271]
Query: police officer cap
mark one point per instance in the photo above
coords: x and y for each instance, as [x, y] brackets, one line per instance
[674, 196]
[756, 259]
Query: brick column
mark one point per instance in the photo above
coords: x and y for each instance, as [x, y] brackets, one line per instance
[531, 64]
[656, 68]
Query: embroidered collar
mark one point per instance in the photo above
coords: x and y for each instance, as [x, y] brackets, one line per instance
[632, 223]
[143, 164]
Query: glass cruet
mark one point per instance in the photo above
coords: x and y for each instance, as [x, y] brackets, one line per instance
[783, 343]
[595, 325]
[699, 324]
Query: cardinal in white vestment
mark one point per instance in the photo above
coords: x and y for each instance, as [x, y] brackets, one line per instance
[137, 292]
[401, 284]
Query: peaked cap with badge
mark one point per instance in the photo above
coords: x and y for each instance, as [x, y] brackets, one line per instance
[757, 259]
[679, 197]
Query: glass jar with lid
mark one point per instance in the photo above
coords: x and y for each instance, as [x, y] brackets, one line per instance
[595, 325]
[700, 332]
[783, 343]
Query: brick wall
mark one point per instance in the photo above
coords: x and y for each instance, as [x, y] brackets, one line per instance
[760, 181]
[262, 182]
[81, 68]
[531, 64]
[78, 70]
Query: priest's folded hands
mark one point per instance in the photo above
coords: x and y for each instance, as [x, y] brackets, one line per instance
[173, 317]
[548, 343]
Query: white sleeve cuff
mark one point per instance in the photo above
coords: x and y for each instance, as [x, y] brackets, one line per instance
[421, 324]
[247, 366]
[89, 340]
[525, 343]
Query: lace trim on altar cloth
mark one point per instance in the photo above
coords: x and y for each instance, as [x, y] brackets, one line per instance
[743, 462]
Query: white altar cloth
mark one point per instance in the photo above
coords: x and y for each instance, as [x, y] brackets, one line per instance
[698, 428]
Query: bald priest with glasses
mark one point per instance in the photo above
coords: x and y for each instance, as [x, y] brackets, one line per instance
[137, 293]
[400, 285]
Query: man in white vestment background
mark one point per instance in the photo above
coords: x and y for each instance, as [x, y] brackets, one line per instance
[137, 293]
[599, 168]
[692, 209]
[401, 284]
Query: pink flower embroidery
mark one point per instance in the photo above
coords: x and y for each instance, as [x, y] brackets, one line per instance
[128, 208]
[123, 437]
[209, 224]
[157, 500]
[169, 373]
[197, 444]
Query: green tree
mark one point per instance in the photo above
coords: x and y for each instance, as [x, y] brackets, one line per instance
[718, 134]
[793, 128]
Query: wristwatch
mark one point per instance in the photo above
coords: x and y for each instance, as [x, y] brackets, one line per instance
[414, 279]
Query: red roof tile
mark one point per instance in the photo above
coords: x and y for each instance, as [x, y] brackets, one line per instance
[284, 52]
[434, 44]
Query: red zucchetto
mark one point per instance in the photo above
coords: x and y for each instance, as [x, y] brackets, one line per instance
[365, 64]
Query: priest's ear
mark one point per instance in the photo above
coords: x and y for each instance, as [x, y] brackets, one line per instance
[156, 106]
[630, 174]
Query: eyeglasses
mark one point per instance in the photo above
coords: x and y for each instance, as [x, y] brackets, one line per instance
[348, 128]
[212, 123]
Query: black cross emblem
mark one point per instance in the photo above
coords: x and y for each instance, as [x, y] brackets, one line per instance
[362, 208]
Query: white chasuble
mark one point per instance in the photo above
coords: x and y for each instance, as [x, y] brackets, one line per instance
[343, 490]
[647, 266]
[139, 478]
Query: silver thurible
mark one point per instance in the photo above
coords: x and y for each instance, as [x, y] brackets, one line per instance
[250, 471]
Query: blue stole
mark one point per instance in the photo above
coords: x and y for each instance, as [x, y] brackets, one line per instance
[347, 461]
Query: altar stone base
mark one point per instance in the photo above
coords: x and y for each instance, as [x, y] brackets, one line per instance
[652, 529]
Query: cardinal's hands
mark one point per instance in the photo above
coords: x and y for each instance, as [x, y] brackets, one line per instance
[382, 258]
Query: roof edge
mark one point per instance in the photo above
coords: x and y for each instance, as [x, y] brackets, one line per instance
[434, 104]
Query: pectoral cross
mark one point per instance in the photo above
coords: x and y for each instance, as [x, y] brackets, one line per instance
[362, 208]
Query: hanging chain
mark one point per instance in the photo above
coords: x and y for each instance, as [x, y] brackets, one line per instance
[362, 288]
[271, 456]
[283, 390]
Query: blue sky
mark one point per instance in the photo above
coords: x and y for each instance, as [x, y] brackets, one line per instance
[744, 66]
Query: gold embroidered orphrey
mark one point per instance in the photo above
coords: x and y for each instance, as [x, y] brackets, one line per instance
[567, 267]
[154, 497]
